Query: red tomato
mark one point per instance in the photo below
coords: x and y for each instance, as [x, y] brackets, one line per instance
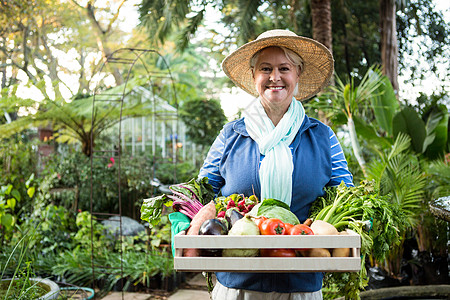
[272, 226]
[288, 227]
[301, 229]
[278, 252]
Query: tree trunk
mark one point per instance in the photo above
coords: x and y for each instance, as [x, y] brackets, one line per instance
[321, 22]
[101, 35]
[293, 7]
[389, 48]
[321, 26]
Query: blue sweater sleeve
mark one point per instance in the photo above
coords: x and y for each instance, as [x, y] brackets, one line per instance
[339, 168]
[211, 164]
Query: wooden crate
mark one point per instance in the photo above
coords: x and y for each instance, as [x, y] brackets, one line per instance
[268, 264]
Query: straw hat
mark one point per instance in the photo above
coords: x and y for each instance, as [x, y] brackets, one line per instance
[317, 62]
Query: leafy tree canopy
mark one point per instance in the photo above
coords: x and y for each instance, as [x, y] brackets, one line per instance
[356, 37]
[203, 118]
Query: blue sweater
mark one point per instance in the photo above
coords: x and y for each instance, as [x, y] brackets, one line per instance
[232, 166]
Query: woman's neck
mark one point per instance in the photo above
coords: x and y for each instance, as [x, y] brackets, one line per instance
[275, 112]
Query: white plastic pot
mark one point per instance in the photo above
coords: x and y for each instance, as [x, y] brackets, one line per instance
[53, 292]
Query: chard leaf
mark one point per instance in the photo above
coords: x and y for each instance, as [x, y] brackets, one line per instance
[152, 208]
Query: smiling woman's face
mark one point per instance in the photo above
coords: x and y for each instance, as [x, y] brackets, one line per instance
[275, 77]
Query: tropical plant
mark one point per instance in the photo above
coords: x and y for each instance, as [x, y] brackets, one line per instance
[350, 101]
[429, 132]
[439, 183]
[76, 120]
[397, 172]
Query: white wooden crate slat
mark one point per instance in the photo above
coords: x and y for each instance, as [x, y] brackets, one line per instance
[268, 264]
[267, 241]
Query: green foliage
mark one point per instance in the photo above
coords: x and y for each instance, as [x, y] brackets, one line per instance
[170, 173]
[350, 101]
[74, 171]
[373, 216]
[397, 172]
[429, 133]
[139, 267]
[53, 234]
[423, 34]
[355, 27]
[142, 257]
[75, 121]
[85, 237]
[203, 118]
[409, 122]
[10, 197]
[20, 286]
[439, 178]
[18, 160]
[160, 234]
[385, 105]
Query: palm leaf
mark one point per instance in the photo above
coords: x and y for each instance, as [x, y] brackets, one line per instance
[440, 179]
[401, 144]
[398, 174]
[385, 105]
[189, 30]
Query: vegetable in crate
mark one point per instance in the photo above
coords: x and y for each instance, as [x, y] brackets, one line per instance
[272, 208]
[212, 227]
[364, 210]
[278, 252]
[207, 212]
[341, 252]
[272, 226]
[187, 198]
[244, 226]
[232, 216]
[301, 229]
[236, 201]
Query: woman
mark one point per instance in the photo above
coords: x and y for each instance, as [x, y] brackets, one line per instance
[275, 150]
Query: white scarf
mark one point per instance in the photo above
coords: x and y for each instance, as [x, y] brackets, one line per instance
[276, 168]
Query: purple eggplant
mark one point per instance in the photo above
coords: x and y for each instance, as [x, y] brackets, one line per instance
[212, 227]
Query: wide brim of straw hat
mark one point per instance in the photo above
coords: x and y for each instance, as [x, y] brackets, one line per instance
[318, 63]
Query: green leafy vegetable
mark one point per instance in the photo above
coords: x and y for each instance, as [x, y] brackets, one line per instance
[198, 187]
[152, 208]
[272, 208]
[187, 198]
[374, 217]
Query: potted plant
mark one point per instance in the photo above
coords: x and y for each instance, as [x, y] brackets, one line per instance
[28, 288]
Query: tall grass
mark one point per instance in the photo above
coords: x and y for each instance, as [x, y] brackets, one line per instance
[20, 286]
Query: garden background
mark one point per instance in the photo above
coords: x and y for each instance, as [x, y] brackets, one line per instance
[389, 105]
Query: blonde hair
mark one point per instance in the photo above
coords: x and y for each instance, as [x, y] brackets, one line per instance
[291, 56]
